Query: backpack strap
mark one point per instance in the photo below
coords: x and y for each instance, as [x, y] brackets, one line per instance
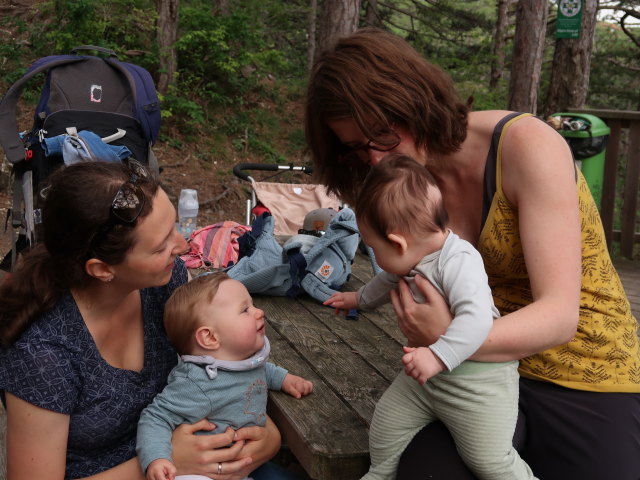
[297, 267]
[145, 98]
[108, 51]
[9, 135]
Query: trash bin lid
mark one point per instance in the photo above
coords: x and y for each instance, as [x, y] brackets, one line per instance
[576, 125]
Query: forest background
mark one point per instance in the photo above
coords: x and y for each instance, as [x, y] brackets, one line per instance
[232, 73]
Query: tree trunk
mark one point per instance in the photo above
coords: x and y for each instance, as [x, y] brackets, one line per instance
[371, 17]
[167, 34]
[338, 18]
[528, 47]
[220, 7]
[311, 46]
[499, 40]
[571, 65]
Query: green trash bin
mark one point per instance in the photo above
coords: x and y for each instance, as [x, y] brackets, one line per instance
[587, 137]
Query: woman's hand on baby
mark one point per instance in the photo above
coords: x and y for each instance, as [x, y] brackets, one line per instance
[260, 444]
[421, 323]
[161, 469]
[296, 386]
[421, 363]
[200, 454]
[343, 300]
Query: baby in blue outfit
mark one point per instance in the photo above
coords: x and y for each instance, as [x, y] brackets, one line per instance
[223, 374]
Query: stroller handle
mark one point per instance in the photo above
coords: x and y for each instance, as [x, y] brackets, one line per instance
[238, 170]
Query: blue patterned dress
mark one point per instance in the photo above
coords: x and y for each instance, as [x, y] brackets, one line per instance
[56, 365]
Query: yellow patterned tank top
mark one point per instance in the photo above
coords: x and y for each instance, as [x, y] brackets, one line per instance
[604, 355]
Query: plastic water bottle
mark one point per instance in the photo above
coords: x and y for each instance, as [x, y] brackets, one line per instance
[187, 211]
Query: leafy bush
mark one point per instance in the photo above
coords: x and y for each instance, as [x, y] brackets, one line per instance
[224, 57]
[92, 22]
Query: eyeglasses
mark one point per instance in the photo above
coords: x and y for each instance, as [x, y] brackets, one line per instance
[127, 203]
[381, 143]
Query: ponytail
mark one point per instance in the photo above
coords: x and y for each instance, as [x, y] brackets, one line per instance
[28, 293]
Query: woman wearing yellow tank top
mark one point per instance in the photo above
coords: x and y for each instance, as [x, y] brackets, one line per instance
[512, 190]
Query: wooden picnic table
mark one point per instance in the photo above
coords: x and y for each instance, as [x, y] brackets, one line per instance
[351, 363]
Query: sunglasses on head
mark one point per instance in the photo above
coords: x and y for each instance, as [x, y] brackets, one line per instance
[127, 204]
[130, 199]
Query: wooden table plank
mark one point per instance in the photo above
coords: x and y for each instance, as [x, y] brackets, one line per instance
[364, 337]
[339, 365]
[309, 340]
[328, 417]
[351, 364]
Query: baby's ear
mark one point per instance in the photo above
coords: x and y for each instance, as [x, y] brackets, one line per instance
[399, 242]
[206, 338]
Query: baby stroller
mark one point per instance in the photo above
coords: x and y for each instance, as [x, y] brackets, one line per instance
[288, 203]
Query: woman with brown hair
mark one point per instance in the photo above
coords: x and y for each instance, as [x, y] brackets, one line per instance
[511, 189]
[83, 348]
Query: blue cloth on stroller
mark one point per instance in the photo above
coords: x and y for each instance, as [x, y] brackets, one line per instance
[82, 147]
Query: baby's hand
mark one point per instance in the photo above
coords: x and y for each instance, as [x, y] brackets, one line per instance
[421, 363]
[161, 469]
[296, 386]
[343, 300]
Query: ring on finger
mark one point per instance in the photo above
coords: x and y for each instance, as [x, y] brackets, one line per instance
[219, 468]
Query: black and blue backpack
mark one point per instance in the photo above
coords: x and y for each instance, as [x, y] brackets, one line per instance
[91, 108]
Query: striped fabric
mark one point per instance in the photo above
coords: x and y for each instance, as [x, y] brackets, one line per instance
[215, 246]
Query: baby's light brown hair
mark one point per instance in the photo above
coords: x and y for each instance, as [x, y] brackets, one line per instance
[181, 318]
[400, 195]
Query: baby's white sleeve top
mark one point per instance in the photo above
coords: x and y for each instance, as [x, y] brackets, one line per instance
[457, 271]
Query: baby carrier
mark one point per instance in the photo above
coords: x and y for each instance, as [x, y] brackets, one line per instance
[307, 263]
[90, 108]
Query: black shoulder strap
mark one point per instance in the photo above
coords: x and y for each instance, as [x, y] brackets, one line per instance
[9, 135]
[489, 186]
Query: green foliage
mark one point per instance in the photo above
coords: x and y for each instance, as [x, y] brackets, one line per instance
[457, 37]
[190, 113]
[223, 57]
[93, 22]
[296, 139]
[614, 82]
[239, 71]
[12, 50]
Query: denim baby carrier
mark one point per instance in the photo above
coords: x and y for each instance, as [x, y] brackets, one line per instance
[90, 108]
[318, 266]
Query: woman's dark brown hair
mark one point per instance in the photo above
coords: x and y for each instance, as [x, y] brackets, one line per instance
[379, 80]
[76, 207]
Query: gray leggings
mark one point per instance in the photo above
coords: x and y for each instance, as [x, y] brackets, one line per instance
[561, 433]
[479, 409]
